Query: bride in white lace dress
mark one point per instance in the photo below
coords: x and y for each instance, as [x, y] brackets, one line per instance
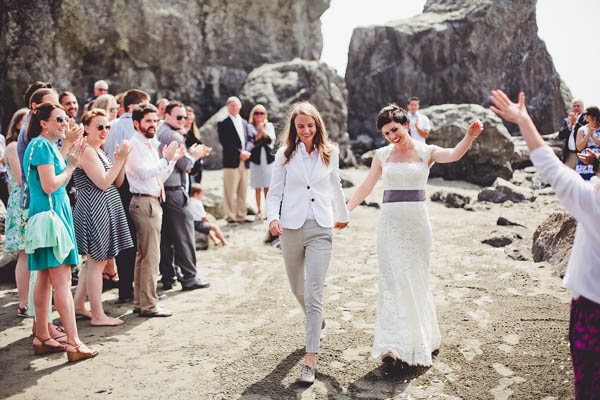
[406, 327]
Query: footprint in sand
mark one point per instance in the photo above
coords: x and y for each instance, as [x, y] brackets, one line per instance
[513, 291]
[358, 354]
[470, 348]
[503, 390]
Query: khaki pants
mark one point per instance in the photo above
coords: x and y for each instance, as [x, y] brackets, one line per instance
[571, 160]
[235, 187]
[146, 214]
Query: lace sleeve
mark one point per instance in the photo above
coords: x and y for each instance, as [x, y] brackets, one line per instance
[383, 153]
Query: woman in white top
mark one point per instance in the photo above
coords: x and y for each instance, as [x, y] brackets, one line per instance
[588, 137]
[305, 181]
[583, 270]
[261, 155]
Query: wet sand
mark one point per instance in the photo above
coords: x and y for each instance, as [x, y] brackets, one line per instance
[504, 323]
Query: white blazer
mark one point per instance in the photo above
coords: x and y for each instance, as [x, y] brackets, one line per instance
[291, 193]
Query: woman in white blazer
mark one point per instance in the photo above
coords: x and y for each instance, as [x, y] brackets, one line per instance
[304, 185]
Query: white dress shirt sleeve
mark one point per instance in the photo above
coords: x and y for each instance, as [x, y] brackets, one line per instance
[339, 202]
[275, 194]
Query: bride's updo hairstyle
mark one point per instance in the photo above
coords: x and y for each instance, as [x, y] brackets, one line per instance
[391, 113]
[290, 139]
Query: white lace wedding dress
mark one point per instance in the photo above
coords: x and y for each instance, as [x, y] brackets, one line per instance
[406, 322]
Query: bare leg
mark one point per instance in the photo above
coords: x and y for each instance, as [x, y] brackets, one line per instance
[310, 359]
[212, 237]
[214, 228]
[61, 280]
[22, 278]
[257, 192]
[93, 284]
[41, 293]
[81, 291]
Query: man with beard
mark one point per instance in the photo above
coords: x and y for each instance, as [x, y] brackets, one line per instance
[178, 244]
[69, 102]
[146, 172]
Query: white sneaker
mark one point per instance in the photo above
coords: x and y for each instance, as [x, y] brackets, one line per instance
[307, 376]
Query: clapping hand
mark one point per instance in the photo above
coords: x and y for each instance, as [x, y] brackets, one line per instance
[75, 152]
[572, 118]
[587, 157]
[74, 132]
[172, 151]
[475, 128]
[123, 151]
[512, 112]
[198, 151]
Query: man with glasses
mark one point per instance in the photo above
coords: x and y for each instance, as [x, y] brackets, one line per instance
[568, 133]
[100, 88]
[177, 240]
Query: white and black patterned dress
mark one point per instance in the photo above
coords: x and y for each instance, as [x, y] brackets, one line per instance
[100, 224]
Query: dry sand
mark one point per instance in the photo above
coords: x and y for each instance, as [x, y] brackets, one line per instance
[504, 324]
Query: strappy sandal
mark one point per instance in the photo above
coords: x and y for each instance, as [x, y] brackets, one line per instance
[46, 348]
[78, 355]
[23, 312]
[114, 278]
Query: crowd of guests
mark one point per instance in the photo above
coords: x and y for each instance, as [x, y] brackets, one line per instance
[117, 185]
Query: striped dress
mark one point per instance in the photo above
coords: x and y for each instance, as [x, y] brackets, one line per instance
[100, 225]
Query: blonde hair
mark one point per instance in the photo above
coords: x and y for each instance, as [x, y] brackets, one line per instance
[12, 133]
[256, 108]
[104, 102]
[290, 137]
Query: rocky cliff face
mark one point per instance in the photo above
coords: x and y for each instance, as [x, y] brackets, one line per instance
[455, 52]
[197, 51]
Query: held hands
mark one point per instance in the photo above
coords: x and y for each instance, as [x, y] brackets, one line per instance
[275, 228]
[340, 225]
[475, 128]
[122, 152]
[244, 155]
[75, 152]
[512, 112]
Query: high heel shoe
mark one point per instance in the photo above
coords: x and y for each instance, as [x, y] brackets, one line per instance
[45, 348]
[78, 355]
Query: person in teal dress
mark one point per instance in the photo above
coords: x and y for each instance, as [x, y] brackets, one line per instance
[47, 174]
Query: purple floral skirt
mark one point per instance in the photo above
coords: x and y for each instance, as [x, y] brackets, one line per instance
[584, 337]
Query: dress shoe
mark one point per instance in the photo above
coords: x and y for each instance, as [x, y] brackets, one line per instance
[197, 284]
[307, 376]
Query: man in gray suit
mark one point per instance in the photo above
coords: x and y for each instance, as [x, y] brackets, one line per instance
[177, 243]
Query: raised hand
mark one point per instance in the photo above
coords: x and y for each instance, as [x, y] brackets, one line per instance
[122, 152]
[475, 128]
[75, 152]
[170, 150]
[74, 132]
[587, 157]
[513, 112]
[572, 118]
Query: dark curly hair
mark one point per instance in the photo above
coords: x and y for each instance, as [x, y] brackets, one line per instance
[391, 113]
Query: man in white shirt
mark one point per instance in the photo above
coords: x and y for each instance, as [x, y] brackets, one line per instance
[582, 277]
[236, 141]
[419, 123]
[568, 133]
[146, 172]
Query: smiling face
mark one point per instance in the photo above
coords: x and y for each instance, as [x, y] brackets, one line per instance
[395, 132]
[147, 126]
[306, 129]
[97, 130]
[176, 118]
[69, 103]
[56, 126]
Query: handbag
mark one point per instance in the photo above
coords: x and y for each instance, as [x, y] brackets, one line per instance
[46, 229]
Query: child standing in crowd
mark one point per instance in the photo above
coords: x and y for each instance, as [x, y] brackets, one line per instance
[201, 223]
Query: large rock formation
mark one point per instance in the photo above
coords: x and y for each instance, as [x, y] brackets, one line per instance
[553, 240]
[197, 51]
[490, 154]
[454, 52]
[278, 86]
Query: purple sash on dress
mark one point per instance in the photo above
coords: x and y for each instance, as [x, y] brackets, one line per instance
[397, 196]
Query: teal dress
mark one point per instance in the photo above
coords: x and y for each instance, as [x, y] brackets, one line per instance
[45, 152]
[14, 240]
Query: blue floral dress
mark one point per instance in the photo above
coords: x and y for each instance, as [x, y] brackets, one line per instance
[14, 240]
[45, 152]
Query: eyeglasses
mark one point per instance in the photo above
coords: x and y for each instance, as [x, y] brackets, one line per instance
[102, 89]
[180, 117]
[113, 109]
[60, 120]
[103, 127]
[259, 113]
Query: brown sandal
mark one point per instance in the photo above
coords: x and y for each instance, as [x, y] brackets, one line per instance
[45, 348]
[78, 355]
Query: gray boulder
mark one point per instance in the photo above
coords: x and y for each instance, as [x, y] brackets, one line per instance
[454, 52]
[553, 240]
[490, 154]
[503, 190]
[501, 239]
[451, 199]
[199, 52]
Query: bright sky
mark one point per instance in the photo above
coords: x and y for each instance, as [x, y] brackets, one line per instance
[570, 30]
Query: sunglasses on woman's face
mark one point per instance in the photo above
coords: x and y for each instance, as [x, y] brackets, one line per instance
[259, 113]
[60, 120]
[180, 117]
[103, 127]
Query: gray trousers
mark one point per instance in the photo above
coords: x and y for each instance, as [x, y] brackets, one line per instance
[306, 254]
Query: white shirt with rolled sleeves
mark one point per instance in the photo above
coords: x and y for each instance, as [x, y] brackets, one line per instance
[582, 200]
[293, 191]
[144, 166]
[422, 122]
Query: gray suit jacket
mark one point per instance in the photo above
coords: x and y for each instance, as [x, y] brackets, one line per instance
[178, 177]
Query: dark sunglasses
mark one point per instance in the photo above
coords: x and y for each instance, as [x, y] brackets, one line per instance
[103, 127]
[259, 113]
[180, 117]
[60, 120]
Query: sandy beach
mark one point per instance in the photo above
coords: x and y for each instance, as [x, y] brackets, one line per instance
[504, 323]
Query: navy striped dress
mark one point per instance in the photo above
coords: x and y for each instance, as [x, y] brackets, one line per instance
[100, 225]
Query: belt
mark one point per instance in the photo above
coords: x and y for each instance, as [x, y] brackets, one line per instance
[397, 196]
[146, 195]
[171, 188]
